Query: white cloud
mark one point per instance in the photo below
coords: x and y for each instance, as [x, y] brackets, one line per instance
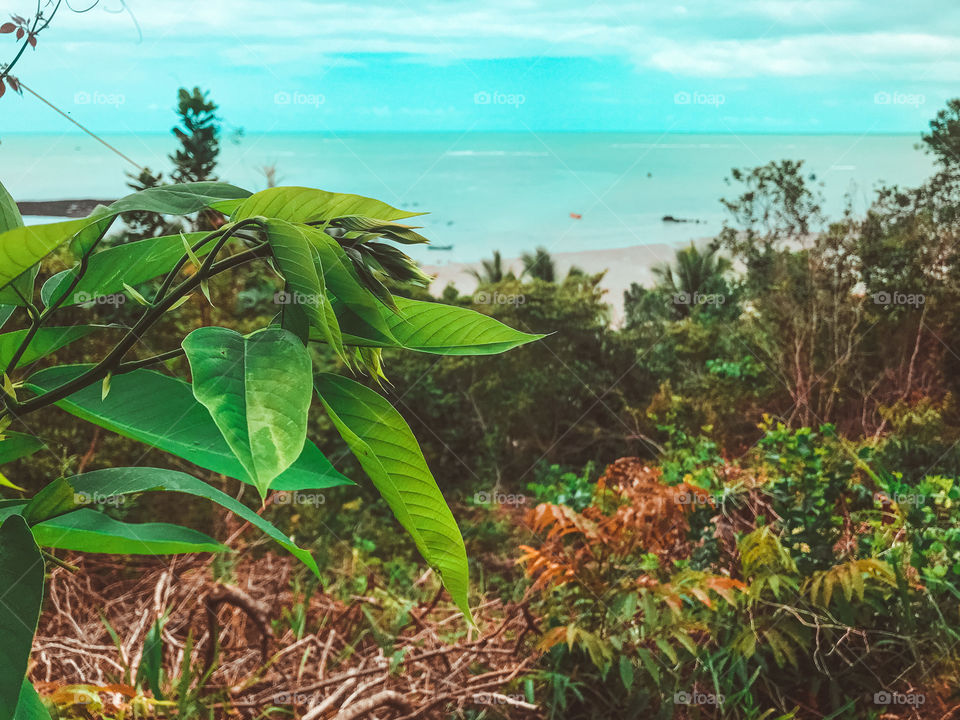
[701, 38]
[919, 57]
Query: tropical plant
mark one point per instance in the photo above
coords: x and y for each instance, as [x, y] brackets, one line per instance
[491, 271]
[539, 265]
[244, 412]
[696, 280]
[199, 137]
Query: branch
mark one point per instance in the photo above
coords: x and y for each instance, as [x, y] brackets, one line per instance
[112, 361]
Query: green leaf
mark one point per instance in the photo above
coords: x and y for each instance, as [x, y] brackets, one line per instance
[257, 389]
[301, 204]
[131, 263]
[9, 212]
[5, 312]
[649, 664]
[161, 411]
[30, 707]
[344, 283]
[301, 268]
[5, 482]
[23, 247]
[626, 672]
[10, 218]
[436, 328]
[17, 445]
[151, 661]
[56, 498]
[90, 531]
[388, 452]
[21, 595]
[400, 233]
[112, 482]
[46, 341]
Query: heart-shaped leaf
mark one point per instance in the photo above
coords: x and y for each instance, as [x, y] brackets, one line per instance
[179, 425]
[257, 389]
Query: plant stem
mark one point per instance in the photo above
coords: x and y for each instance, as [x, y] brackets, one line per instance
[146, 362]
[33, 31]
[36, 320]
[111, 363]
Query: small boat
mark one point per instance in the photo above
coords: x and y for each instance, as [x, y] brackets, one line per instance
[439, 247]
[576, 216]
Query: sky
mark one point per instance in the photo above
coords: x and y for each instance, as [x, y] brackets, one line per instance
[744, 66]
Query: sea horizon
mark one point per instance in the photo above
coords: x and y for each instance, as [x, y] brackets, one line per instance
[568, 191]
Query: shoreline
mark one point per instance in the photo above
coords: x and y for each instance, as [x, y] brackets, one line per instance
[631, 264]
[59, 208]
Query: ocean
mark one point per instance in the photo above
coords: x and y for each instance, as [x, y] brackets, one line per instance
[494, 191]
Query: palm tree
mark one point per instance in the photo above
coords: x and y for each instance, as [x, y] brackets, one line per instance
[696, 273]
[492, 271]
[539, 265]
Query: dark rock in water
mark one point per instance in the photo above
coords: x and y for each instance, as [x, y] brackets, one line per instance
[60, 208]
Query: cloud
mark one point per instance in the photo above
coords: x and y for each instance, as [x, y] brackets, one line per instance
[917, 57]
[706, 38]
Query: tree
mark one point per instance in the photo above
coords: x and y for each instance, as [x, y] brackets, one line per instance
[696, 280]
[491, 271]
[144, 224]
[199, 137]
[539, 265]
[943, 140]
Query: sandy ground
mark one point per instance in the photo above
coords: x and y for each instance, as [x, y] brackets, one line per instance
[622, 265]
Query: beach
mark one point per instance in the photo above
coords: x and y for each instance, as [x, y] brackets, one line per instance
[621, 266]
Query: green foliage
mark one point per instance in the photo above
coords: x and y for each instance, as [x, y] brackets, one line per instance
[245, 411]
[539, 265]
[257, 390]
[21, 580]
[198, 136]
[553, 484]
[391, 457]
[179, 425]
[809, 472]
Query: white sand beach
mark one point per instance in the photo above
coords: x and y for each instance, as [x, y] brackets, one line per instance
[622, 265]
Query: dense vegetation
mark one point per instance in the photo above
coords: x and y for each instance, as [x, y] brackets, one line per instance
[738, 502]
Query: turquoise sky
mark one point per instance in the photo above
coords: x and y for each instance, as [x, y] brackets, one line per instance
[743, 66]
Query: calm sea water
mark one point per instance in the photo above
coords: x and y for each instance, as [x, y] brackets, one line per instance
[489, 191]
